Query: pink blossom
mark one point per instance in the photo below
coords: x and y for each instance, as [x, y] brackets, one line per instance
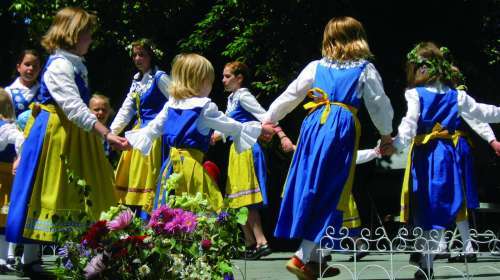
[121, 221]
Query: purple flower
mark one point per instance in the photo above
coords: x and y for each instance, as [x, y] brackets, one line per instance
[172, 221]
[228, 277]
[121, 221]
[68, 265]
[94, 267]
[63, 252]
[188, 222]
[223, 216]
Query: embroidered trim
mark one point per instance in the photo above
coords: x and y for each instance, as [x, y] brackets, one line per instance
[242, 193]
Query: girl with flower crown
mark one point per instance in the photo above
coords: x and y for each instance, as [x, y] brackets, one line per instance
[186, 122]
[137, 174]
[433, 187]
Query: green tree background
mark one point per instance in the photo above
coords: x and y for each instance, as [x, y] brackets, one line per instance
[277, 39]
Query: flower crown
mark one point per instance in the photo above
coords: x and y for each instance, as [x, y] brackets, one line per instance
[436, 66]
[145, 42]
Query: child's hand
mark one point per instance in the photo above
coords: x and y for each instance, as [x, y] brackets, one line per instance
[267, 132]
[15, 164]
[286, 145]
[496, 146]
[386, 148]
[117, 142]
[36, 109]
[214, 138]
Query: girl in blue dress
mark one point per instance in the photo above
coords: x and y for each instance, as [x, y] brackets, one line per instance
[317, 192]
[137, 174]
[186, 122]
[65, 126]
[433, 194]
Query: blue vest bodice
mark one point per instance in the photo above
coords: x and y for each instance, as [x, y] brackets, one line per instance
[180, 129]
[151, 102]
[339, 83]
[43, 95]
[438, 108]
[21, 104]
[241, 115]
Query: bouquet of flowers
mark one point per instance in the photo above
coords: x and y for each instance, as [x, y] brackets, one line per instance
[182, 240]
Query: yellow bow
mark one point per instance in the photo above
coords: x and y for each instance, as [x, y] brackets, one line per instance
[318, 101]
[137, 99]
[438, 132]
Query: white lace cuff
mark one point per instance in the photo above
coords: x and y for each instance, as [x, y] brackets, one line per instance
[248, 136]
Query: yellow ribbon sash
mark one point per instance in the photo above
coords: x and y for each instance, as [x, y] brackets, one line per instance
[324, 100]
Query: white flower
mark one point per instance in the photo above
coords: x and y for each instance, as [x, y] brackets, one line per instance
[144, 270]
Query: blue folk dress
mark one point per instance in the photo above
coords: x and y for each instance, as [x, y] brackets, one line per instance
[42, 193]
[317, 191]
[433, 189]
[247, 172]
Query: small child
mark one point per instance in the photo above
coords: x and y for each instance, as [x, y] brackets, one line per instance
[136, 174]
[23, 90]
[187, 121]
[100, 106]
[11, 140]
[433, 187]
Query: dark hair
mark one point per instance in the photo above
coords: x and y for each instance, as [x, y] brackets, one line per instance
[240, 68]
[25, 52]
[150, 47]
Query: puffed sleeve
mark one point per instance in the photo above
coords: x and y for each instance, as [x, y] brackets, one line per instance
[163, 83]
[60, 80]
[142, 139]
[124, 115]
[408, 127]
[244, 134]
[250, 103]
[10, 134]
[482, 129]
[366, 156]
[376, 101]
[469, 108]
[293, 95]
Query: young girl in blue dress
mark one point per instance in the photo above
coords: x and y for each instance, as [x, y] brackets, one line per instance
[247, 171]
[433, 195]
[136, 174]
[187, 122]
[65, 126]
[317, 191]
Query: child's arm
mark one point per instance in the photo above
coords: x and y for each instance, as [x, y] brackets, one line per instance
[408, 127]
[244, 134]
[10, 134]
[469, 108]
[124, 115]
[142, 139]
[293, 95]
[367, 155]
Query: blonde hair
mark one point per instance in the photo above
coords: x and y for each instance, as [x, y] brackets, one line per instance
[66, 27]
[189, 73]
[6, 107]
[344, 39]
[102, 97]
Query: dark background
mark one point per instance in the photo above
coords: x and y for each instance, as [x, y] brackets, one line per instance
[393, 27]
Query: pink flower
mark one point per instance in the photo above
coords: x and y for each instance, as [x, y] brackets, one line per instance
[206, 244]
[121, 221]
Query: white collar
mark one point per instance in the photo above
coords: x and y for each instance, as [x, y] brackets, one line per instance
[188, 103]
[75, 59]
[147, 74]
[437, 87]
[18, 85]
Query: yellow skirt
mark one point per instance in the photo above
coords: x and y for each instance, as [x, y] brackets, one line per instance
[137, 175]
[5, 187]
[194, 179]
[52, 194]
[242, 187]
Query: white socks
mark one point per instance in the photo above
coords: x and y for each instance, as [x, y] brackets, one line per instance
[463, 228]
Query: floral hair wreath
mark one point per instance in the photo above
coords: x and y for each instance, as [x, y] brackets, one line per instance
[145, 42]
[435, 66]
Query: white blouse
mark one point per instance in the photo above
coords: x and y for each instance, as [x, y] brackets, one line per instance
[370, 88]
[10, 134]
[127, 111]
[366, 156]
[60, 80]
[247, 101]
[245, 134]
[28, 93]
[474, 113]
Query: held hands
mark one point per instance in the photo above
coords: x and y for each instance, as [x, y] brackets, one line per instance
[496, 146]
[214, 138]
[15, 164]
[267, 132]
[286, 145]
[386, 148]
[117, 142]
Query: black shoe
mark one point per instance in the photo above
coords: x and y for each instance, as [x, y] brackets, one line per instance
[359, 256]
[34, 270]
[470, 258]
[415, 258]
[422, 274]
[259, 252]
[442, 256]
